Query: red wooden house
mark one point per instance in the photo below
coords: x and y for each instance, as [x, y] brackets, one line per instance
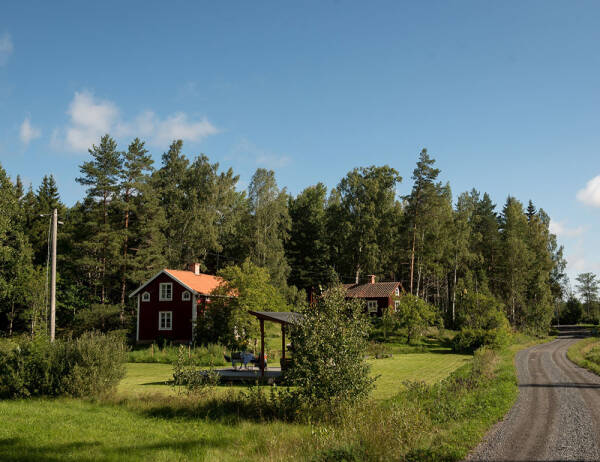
[377, 295]
[169, 303]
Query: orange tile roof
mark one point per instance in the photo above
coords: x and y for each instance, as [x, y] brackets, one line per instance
[201, 283]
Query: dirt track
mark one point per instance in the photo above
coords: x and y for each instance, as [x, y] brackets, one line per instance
[557, 414]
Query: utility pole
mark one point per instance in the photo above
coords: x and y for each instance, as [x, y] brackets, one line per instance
[53, 280]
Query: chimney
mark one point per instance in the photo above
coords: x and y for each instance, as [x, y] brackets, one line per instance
[372, 276]
[195, 267]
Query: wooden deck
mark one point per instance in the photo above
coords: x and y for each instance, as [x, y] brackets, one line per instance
[252, 374]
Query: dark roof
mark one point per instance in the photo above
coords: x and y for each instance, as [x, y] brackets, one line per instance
[376, 290]
[282, 317]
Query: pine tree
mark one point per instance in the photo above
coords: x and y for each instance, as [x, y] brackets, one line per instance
[101, 175]
[134, 176]
[423, 189]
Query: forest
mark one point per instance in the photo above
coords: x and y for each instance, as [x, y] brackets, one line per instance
[138, 218]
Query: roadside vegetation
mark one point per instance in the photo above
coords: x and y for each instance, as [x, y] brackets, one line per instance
[586, 353]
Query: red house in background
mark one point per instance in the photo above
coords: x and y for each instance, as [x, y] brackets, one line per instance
[377, 295]
[169, 303]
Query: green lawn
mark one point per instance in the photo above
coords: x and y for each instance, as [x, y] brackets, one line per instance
[75, 430]
[139, 429]
[426, 367]
[145, 378]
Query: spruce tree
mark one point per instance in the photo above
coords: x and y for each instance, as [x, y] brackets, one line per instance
[306, 249]
[269, 225]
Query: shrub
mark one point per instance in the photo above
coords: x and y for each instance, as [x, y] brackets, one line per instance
[87, 366]
[329, 367]
[379, 350]
[480, 311]
[186, 374]
[469, 340]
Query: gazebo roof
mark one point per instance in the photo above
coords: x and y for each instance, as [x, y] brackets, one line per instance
[282, 317]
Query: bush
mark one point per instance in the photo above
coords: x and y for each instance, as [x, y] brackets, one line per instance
[480, 311]
[87, 366]
[379, 350]
[329, 367]
[469, 340]
[186, 374]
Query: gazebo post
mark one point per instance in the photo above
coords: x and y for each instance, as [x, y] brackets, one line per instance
[262, 347]
[283, 342]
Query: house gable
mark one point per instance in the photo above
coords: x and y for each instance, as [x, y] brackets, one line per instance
[168, 318]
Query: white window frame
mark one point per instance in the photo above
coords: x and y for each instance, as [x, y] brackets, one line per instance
[168, 318]
[160, 291]
[146, 297]
[186, 296]
[372, 306]
[397, 291]
[396, 305]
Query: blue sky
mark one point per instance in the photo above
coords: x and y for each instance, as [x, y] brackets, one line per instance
[505, 95]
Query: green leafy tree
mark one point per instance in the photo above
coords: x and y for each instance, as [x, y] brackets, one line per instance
[366, 211]
[269, 225]
[226, 320]
[588, 286]
[330, 342]
[415, 315]
[515, 259]
[481, 311]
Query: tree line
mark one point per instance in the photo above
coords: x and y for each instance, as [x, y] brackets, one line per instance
[137, 218]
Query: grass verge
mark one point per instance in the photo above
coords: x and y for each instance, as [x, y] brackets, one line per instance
[439, 422]
[586, 353]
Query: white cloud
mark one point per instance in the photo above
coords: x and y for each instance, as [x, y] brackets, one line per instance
[590, 195]
[90, 118]
[28, 132]
[6, 48]
[560, 229]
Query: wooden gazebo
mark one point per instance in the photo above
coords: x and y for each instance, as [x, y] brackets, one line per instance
[280, 317]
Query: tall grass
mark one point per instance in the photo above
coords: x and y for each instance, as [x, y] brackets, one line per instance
[586, 353]
[439, 422]
[210, 355]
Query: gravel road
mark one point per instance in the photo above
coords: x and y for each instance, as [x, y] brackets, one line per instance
[557, 414]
